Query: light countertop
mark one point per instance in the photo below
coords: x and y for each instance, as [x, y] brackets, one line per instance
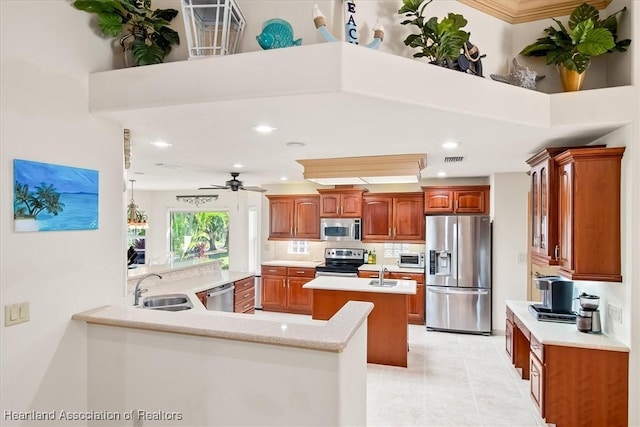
[332, 335]
[391, 267]
[197, 284]
[191, 285]
[564, 334]
[289, 263]
[135, 273]
[353, 284]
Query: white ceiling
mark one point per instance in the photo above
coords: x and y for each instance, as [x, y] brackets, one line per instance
[210, 137]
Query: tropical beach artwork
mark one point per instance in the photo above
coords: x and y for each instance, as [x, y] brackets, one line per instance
[49, 197]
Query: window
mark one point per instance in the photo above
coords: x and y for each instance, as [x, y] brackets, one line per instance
[392, 250]
[298, 247]
[200, 235]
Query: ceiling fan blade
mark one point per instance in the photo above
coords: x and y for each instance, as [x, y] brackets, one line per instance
[261, 190]
[214, 187]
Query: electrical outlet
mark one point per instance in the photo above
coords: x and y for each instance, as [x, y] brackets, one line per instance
[614, 313]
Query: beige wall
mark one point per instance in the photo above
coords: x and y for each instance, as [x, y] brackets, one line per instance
[46, 58]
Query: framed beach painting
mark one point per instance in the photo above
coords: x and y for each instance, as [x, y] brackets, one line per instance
[49, 197]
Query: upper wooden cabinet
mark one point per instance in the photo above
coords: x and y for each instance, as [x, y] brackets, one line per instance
[393, 217]
[472, 199]
[338, 203]
[544, 206]
[589, 213]
[294, 217]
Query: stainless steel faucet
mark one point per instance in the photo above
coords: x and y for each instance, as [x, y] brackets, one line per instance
[381, 275]
[137, 291]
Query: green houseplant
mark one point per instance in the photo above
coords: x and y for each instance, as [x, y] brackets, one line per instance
[439, 41]
[142, 30]
[587, 36]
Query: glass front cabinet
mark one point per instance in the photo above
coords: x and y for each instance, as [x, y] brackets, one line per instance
[544, 210]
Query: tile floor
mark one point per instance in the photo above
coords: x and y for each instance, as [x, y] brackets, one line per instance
[452, 380]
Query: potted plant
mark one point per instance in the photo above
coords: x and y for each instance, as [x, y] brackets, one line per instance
[572, 49]
[439, 41]
[143, 31]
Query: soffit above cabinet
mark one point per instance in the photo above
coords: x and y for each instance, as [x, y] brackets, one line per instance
[340, 100]
[519, 11]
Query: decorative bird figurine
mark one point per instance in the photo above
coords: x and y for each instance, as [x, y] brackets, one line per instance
[519, 76]
[277, 33]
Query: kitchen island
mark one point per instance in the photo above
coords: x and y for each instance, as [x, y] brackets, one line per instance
[387, 325]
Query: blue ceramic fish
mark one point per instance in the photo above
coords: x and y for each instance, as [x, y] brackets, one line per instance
[277, 33]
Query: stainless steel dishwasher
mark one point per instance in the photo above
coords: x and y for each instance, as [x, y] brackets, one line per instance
[220, 298]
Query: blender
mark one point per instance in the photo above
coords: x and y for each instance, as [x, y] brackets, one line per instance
[588, 319]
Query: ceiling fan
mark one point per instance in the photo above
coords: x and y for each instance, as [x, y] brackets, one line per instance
[234, 184]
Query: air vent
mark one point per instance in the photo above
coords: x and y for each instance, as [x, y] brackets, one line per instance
[453, 159]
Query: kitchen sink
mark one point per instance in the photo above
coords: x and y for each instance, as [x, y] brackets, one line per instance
[172, 302]
[385, 283]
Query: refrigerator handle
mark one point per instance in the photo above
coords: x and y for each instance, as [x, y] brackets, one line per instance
[438, 290]
[454, 253]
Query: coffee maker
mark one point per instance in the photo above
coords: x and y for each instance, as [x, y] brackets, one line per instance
[588, 319]
[557, 300]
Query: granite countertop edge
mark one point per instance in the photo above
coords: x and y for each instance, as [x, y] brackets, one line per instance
[332, 335]
[562, 334]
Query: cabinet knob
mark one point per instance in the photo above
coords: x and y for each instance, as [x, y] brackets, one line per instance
[389, 232]
[556, 252]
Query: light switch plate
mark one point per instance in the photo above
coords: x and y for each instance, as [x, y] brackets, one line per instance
[16, 313]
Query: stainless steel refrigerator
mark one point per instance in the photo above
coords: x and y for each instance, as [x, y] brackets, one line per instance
[458, 273]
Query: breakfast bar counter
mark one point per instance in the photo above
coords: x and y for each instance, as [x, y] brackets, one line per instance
[387, 325]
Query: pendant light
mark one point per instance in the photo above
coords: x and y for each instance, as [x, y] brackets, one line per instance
[136, 219]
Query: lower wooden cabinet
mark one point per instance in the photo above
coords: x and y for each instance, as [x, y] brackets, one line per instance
[416, 302]
[508, 335]
[571, 386]
[282, 289]
[202, 297]
[536, 382]
[244, 296]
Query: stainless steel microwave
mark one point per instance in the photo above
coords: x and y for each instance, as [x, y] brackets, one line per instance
[340, 229]
[410, 259]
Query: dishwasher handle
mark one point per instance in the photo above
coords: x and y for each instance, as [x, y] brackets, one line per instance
[219, 290]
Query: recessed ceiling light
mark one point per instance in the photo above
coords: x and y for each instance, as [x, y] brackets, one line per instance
[450, 145]
[295, 144]
[283, 178]
[237, 165]
[441, 174]
[161, 144]
[263, 128]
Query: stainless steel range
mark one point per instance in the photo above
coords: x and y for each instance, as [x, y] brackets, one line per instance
[341, 262]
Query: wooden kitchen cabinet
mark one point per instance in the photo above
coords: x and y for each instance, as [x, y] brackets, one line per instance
[416, 302]
[393, 217]
[294, 217]
[244, 296]
[338, 203]
[508, 335]
[544, 206]
[472, 199]
[274, 288]
[282, 289]
[589, 213]
[202, 297]
[571, 385]
[536, 382]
